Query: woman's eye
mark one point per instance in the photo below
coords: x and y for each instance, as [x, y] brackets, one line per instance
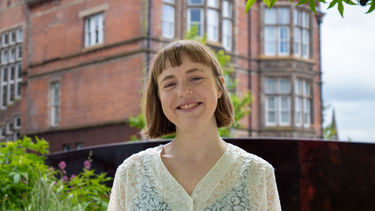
[169, 85]
[196, 78]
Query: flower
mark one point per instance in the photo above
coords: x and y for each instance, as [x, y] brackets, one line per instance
[62, 165]
[65, 179]
[73, 176]
[87, 164]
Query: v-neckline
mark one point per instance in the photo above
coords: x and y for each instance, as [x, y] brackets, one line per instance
[201, 181]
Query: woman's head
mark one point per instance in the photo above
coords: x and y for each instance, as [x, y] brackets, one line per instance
[157, 124]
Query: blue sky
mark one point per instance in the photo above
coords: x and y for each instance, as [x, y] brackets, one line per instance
[348, 64]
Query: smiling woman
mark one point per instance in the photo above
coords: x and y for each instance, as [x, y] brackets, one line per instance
[197, 170]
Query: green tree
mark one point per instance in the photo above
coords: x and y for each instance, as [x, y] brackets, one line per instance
[241, 103]
[312, 4]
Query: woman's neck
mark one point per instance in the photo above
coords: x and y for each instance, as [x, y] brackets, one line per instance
[196, 144]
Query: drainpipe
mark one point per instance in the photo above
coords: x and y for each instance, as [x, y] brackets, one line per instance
[250, 60]
[148, 36]
[319, 18]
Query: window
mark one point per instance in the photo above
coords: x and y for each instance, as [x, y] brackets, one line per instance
[67, 147]
[277, 28]
[4, 57]
[168, 19]
[4, 85]
[19, 35]
[2, 133]
[19, 52]
[18, 80]
[4, 39]
[207, 17]
[17, 122]
[227, 25]
[11, 73]
[301, 33]
[10, 66]
[277, 102]
[79, 145]
[302, 103]
[276, 31]
[195, 18]
[94, 29]
[9, 128]
[12, 37]
[55, 103]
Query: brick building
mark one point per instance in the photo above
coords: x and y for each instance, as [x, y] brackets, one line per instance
[72, 71]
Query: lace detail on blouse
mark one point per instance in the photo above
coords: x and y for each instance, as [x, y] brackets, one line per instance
[238, 181]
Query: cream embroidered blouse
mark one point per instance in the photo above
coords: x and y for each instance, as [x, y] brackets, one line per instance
[238, 181]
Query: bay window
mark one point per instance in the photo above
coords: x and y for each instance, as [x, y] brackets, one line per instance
[278, 28]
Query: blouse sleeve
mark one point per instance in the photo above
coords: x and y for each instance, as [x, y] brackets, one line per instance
[117, 198]
[273, 201]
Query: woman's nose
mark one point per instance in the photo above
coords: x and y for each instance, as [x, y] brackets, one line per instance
[184, 90]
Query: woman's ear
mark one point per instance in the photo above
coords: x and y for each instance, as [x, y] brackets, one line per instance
[219, 91]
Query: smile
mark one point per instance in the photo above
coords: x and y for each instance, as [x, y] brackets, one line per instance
[188, 106]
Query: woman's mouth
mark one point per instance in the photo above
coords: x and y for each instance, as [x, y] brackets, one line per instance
[189, 106]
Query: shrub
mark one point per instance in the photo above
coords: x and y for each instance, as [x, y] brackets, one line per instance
[29, 184]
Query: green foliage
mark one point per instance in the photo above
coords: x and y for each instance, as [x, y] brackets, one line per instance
[241, 104]
[312, 4]
[27, 183]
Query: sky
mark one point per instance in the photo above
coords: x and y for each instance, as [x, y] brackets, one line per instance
[348, 65]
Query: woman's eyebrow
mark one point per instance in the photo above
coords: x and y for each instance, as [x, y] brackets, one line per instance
[192, 70]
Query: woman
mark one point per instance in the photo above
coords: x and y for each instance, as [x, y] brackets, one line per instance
[197, 170]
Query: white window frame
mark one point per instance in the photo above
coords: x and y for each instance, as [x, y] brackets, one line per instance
[2, 133]
[10, 128]
[11, 77]
[301, 21]
[55, 103]
[227, 26]
[15, 124]
[278, 95]
[168, 26]
[303, 101]
[190, 23]
[18, 81]
[12, 37]
[4, 56]
[94, 29]
[4, 42]
[4, 88]
[19, 34]
[275, 39]
[212, 25]
[18, 50]
[12, 55]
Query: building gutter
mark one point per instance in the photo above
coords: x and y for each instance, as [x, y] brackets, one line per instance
[149, 6]
[250, 60]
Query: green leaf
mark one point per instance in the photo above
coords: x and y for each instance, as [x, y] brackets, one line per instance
[16, 178]
[301, 2]
[267, 2]
[372, 8]
[273, 2]
[323, 1]
[340, 7]
[249, 4]
[312, 5]
[332, 4]
[349, 2]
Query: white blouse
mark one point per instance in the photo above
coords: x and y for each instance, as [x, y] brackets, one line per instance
[238, 181]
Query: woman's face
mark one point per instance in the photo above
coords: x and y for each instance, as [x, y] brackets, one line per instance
[188, 94]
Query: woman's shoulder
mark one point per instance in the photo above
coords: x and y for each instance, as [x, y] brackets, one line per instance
[138, 159]
[248, 160]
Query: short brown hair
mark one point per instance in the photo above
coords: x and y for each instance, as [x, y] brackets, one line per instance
[157, 124]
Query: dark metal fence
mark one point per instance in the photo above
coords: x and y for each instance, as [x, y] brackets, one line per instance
[311, 174]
